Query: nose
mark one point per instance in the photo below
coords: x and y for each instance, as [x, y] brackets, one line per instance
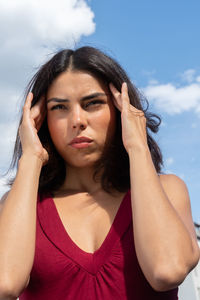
[78, 118]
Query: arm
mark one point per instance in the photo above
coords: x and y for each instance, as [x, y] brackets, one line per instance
[164, 235]
[17, 228]
[18, 212]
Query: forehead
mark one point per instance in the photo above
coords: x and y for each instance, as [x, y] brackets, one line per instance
[76, 82]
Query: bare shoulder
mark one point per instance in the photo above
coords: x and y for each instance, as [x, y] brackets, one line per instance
[173, 183]
[178, 195]
[177, 191]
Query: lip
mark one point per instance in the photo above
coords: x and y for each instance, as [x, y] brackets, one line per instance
[80, 140]
[80, 145]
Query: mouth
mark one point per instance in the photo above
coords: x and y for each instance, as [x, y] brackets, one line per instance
[80, 142]
[80, 145]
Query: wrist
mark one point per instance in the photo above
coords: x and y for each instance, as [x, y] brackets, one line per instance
[30, 160]
[139, 150]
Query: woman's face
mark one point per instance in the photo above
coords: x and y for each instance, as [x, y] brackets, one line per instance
[79, 105]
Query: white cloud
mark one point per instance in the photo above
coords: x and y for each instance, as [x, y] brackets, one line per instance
[7, 142]
[153, 82]
[9, 104]
[169, 161]
[174, 99]
[188, 75]
[198, 78]
[3, 187]
[45, 22]
[29, 31]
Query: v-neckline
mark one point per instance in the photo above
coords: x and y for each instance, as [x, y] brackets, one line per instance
[53, 227]
[107, 235]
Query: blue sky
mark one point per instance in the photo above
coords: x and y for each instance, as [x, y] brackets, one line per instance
[156, 42]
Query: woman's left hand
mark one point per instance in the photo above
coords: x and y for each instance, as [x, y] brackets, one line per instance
[133, 121]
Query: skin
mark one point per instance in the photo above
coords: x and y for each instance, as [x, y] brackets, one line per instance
[97, 115]
[162, 221]
[163, 199]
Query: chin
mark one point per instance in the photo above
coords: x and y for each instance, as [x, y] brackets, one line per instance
[80, 162]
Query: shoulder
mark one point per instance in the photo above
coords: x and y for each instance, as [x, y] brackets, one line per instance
[173, 185]
[178, 195]
[177, 192]
[171, 179]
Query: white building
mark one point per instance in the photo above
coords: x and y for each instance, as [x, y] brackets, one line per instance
[190, 288]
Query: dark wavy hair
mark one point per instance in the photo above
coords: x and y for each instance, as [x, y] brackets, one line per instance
[114, 163]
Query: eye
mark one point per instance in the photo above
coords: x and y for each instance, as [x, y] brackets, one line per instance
[94, 103]
[58, 106]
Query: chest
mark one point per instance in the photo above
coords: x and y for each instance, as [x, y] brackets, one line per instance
[87, 222]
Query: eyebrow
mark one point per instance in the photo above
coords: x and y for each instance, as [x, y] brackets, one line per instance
[95, 95]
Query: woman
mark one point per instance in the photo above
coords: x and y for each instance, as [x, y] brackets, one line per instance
[89, 214]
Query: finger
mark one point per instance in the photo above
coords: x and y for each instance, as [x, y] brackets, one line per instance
[39, 108]
[27, 106]
[126, 101]
[136, 110]
[125, 96]
[116, 96]
[28, 100]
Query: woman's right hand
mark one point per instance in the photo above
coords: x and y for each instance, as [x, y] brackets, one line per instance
[31, 122]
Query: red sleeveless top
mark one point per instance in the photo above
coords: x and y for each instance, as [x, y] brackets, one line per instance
[62, 271]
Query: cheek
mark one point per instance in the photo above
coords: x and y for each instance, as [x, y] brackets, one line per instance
[56, 129]
[106, 122]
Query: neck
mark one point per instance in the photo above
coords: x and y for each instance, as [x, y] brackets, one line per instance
[80, 180]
